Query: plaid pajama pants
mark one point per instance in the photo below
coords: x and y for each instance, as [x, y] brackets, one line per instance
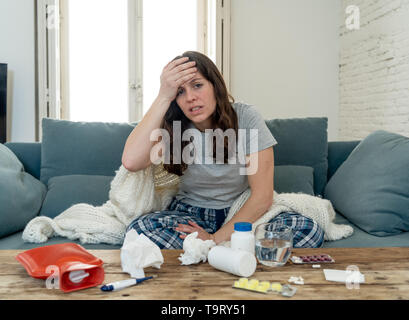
[306, 232]
[160, 226]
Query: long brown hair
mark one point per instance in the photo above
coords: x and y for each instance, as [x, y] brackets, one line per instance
[224, 116]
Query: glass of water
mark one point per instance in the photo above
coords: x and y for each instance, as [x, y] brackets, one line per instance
[273, 244]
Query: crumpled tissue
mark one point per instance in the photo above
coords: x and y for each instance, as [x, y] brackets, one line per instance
[196, 250]
[139, 252]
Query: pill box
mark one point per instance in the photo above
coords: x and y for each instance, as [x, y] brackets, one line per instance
[265, 287]
[252, 285]
[312, 259]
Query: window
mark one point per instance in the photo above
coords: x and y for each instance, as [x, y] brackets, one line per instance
[165, 36]
[100, 60]
[97, 64]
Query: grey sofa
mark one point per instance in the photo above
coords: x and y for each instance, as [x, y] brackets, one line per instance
[302, 143]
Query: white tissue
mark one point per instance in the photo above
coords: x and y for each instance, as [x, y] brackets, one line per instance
[296, 280]
[139, 252]
[196, 250]
[344, 276]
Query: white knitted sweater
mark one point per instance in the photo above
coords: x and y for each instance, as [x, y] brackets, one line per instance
[133, 194]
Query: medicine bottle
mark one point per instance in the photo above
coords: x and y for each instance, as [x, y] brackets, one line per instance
[242, 237]
[238, 262]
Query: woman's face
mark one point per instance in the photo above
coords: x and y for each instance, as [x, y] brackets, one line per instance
[197, 100]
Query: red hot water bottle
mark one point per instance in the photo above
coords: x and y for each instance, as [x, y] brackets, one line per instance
[73, 266]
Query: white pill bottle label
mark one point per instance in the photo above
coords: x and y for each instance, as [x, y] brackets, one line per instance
[243, 237]
[238, 262]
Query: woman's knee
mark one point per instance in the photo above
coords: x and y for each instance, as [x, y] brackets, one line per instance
[159, 229]
[148, 221]
[306, 232]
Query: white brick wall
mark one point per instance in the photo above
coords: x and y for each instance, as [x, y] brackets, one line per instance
[374, 70]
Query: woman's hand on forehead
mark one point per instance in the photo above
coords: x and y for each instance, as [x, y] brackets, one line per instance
[174, 74]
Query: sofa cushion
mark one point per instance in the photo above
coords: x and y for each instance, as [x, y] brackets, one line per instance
[338, 152]
[15, 242]
[302, 142]
[65, 191]
[371, 188]
[29, 153]
[90, 148]
[21, 194]
[362, 239]
[294, 179]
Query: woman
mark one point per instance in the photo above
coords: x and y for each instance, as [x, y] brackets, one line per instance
[193, 95]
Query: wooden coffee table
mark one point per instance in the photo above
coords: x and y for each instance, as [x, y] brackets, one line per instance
[386, 273]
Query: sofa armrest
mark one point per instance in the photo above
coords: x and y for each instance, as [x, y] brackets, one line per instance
[338, 152]
[29, 153]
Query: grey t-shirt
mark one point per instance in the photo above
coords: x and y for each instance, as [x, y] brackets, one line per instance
[216, 185]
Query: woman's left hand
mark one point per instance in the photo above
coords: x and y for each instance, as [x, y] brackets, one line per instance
[194, 227]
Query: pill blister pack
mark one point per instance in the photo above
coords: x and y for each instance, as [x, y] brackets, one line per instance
[312, 259]
[264, 287]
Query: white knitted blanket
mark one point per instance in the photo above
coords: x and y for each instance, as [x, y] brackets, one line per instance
[133, 194]
[318, 209]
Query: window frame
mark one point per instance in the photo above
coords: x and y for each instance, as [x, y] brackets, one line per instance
[223, 39]
[48, 61]
[135, 77]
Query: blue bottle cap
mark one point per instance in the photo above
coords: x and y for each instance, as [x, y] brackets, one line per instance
[242, 226]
